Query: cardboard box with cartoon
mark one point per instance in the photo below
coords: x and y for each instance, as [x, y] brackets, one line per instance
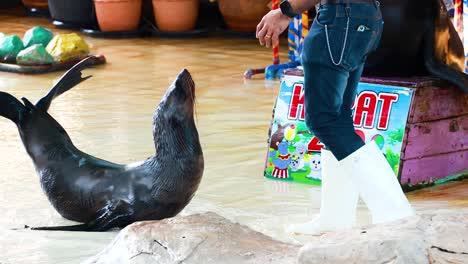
[380, 113]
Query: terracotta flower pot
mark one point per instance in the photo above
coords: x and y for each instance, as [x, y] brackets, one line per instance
[118, 15]
[41, 4]
[176, 15]
[36, 4]
[73, 12]
[243, 15]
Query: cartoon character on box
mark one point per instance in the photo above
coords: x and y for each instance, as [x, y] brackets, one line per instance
[278, 136]
[298, 161]
[281, 162]
[315, 167]
[290, 132]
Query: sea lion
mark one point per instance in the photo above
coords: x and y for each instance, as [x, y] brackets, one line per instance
[418, 39]
[101, 194]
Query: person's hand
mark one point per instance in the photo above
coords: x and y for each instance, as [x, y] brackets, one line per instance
[271, 26]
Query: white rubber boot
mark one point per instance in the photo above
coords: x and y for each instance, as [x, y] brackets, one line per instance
[377, 184]
[338, 202]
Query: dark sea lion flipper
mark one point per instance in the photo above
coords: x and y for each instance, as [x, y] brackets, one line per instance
[103, 164]
[71, 78]
[81, 227]
[10, 107]
[115, 214]
[445, 72]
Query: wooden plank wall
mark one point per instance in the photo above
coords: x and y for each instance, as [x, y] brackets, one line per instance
[436, 139]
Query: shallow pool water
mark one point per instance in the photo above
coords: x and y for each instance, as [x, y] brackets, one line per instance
[110, 116]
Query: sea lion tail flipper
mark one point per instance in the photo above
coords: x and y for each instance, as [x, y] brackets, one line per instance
[445, 72]
[10, 107]
[71, 78]
[436, 67]
[93, 226]
[81, 227]
[115, 214]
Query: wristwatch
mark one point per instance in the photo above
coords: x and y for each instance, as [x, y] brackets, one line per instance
[286, 9]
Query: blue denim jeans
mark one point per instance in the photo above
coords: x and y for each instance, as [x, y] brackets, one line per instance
[333, 65]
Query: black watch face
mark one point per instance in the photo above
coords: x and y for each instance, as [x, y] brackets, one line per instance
[286, 9]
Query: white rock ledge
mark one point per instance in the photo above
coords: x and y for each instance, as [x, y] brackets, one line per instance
[439, 237]
[200, 238]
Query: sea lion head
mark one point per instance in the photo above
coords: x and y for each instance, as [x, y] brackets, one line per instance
[178, 102]
[174, 127]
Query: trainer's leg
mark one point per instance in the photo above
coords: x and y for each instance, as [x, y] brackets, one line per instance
[329, 93]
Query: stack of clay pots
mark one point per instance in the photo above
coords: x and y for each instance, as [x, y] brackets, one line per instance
[112, 15]
[243, 15]
[118, 15]
[176, 15]
[170, 15]
[125, 15]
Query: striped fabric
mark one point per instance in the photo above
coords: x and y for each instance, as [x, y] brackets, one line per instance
[298, 30]
[305, 29]
[280, 173]
[276, 57]
[457, 16]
